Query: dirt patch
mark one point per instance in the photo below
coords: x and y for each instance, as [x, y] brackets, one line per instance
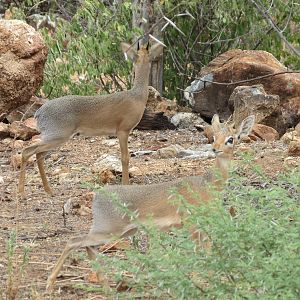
[39, 219]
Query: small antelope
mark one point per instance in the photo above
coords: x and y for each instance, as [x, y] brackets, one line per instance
[154, 200]
[114, 114]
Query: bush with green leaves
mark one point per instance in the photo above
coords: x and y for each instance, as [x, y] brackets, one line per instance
[254, 228]
[85, 58]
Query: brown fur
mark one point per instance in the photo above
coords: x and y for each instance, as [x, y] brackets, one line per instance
[155, 200]
[115, 114]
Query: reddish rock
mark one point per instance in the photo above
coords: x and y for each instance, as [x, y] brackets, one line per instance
[294, 148]
[24, 130]
[238, 65]
[23, 54]
[265, 132]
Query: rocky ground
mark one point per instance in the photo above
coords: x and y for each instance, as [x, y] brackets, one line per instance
[41, 224]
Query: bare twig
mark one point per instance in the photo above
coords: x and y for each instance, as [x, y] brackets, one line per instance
[268, 18]
[240, 81]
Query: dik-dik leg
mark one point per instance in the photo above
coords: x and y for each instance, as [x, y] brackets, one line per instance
[123, 140]
[88, 241]
[40, 149]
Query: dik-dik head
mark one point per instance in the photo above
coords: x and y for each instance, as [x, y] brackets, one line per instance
[144, 53]
[225, 136]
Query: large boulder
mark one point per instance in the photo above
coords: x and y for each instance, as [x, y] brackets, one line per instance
[240, 66]
[22, 57]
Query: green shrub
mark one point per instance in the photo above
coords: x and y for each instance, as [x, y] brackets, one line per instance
[254, 255]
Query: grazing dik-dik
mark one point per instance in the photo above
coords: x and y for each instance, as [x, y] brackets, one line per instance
[114, 114]
[155, 201]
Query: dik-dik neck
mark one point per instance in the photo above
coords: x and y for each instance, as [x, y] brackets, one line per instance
[141, 78]
[221, 170]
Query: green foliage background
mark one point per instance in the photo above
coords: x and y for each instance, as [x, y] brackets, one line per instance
[85, 57]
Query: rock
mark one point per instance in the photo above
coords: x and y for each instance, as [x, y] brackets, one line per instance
[248, 100]
[110, 142]
[6, 141]
[294, 148]
[170, 151]
[16, 160]
[17, 144]
[157, 103]
[237, 65]
[297, 129]
[142, 153]
[23, 54]
[157, 112]
[24, 130]
[187, 120]
[26, 111]
[191, 154]
[107, 176]
[4, 130]
[107, 162]
[291, 162]
[264, 132]
[290, 136]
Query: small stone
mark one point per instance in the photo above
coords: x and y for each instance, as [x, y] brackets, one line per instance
[290, 136]
[17, 144]
[170, 151]
[4, 130]
[23, 130]
[294, 148]
[107, 176]
[16, 160]
[110, 142]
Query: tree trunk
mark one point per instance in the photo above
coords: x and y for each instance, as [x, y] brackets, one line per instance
[154, 121]
[144, 18]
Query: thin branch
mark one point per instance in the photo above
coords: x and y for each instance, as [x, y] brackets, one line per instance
[268, 18]
[240, 81]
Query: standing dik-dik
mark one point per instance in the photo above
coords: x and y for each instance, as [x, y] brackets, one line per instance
[155, 200]
[114, 114]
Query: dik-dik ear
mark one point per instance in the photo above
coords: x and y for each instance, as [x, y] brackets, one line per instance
[246, 127]
[155, 51]
[129, 51]
[215, 123]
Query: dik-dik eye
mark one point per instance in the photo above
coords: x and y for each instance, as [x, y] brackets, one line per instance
[229, 141]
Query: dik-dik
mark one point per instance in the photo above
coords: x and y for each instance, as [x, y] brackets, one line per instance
[155, 200]
[114, 114]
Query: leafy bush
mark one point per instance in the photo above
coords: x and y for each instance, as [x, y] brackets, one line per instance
[254, 229]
